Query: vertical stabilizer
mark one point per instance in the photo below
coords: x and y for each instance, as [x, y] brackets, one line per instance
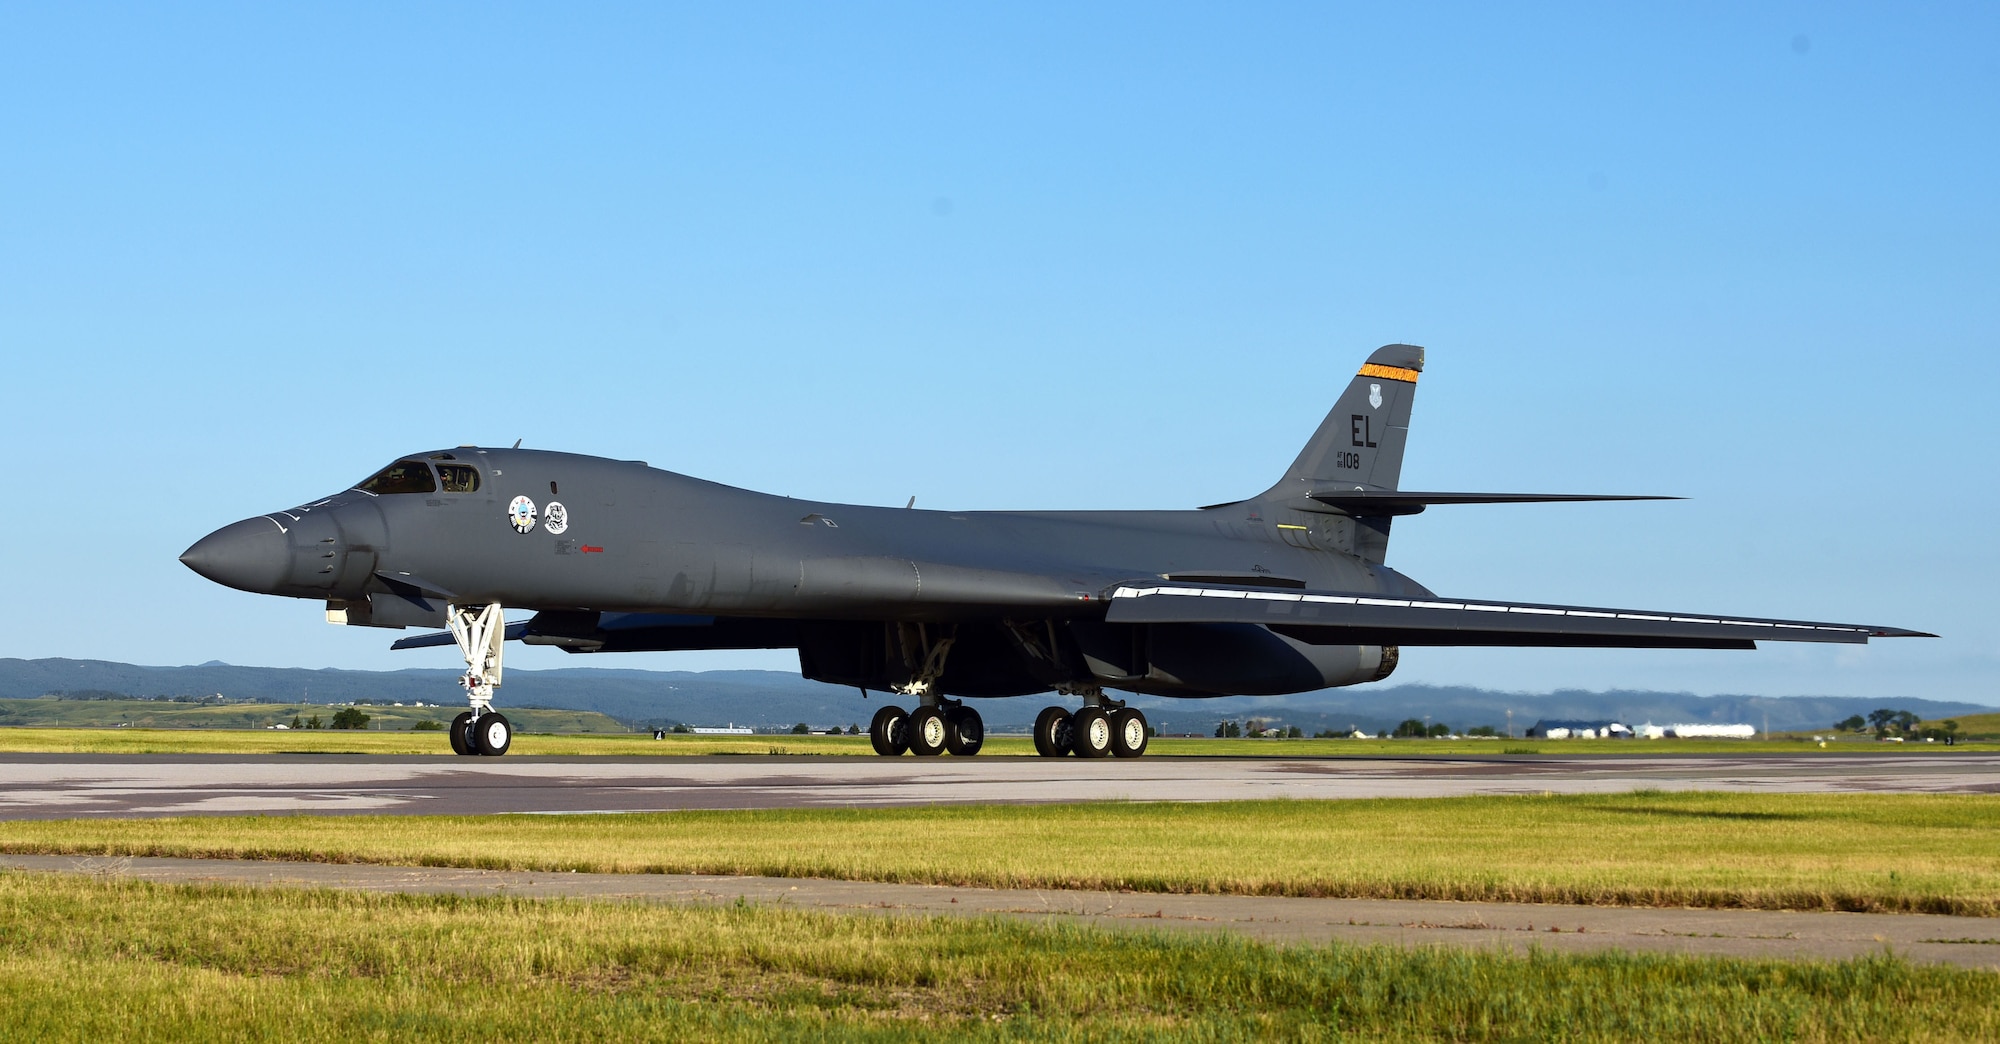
[1360, 444]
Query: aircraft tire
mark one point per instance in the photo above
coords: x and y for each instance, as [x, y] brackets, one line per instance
[1092, 732]
[493, 733]
[965, 732]
[889, 732]
[1128, 733]
[927, 731]
[1052, 733]
[461, 734]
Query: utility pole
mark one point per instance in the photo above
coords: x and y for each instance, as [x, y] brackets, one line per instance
[1510, 723]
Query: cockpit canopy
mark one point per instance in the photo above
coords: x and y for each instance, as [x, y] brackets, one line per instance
[416, 476]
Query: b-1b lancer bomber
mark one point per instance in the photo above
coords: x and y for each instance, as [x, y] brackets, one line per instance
[1284, 592]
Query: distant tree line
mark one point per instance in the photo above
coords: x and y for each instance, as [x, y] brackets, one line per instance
[1255, 729]
[346, 718]
[1886, 723]
[212, 699]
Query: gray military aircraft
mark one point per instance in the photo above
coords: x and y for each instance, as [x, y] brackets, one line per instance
[1284, 592]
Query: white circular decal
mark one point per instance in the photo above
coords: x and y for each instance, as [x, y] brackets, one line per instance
[555, 518]
[522, 514]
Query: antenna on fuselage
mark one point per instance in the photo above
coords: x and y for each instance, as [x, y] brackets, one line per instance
[517, 443]
[912, 503]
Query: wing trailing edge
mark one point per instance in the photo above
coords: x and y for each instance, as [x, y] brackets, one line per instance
[1330, 618]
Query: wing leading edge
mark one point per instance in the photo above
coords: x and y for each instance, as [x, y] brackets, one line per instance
[1329, 618]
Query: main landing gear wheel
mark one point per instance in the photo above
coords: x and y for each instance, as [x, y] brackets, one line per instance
[927, 731]
[964, 732]
[1128, 733]
[461, 734]
[1052, 732]
[889, 732]
[1091, 729]
[492, 733]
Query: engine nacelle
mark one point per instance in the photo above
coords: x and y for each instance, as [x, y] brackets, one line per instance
[1220, 659]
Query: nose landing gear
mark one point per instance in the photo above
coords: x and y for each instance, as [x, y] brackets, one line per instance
[481, 633]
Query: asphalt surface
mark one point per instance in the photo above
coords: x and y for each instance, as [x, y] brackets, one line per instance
[1964, 941]
[43, 786]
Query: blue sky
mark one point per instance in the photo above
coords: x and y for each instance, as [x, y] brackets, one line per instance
[1026, 256]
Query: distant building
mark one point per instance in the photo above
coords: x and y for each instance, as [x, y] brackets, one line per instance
[1698, 731]
[1549, 728]
[731, 729]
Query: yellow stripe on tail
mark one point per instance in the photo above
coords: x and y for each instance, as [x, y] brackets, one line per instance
[1394, 373]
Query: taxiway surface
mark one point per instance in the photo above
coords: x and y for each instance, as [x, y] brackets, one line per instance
[42, 786]
[1966, 941]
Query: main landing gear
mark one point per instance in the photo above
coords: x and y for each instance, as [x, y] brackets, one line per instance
[481, 632]
[946, 726]
[938, 724]
[1102, 727]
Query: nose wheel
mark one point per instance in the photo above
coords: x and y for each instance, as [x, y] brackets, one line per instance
[490, 733]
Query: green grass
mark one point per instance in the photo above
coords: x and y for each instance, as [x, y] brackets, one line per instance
[337, 741]
[1880, 852]
[1406, 748]
[166, 714]
[551, 733]
[85, 960]
[1981, 726]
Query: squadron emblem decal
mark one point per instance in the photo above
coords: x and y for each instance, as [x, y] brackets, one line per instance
[555, 518]
[522, 514]
[1375, 396]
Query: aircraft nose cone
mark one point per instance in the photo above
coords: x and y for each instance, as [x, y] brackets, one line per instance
[250, 555]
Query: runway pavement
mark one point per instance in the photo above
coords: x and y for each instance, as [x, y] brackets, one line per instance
[1965, 941]
[42, 786]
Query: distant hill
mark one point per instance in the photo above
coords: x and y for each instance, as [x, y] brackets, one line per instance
[1971, 726]
[776, 699]
[98, 712]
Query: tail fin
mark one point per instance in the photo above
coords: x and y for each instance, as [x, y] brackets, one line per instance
[1360, 444]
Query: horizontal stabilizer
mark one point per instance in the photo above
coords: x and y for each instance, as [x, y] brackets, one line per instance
[1327, 618]
[1376, 502]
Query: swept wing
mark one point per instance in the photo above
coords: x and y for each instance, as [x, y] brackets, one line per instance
[1335, 618]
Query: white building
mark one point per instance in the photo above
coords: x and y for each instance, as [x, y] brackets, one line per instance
[1692, 730]
[1551, 729]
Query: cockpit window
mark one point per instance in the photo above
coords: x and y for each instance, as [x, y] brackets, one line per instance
[459, 478]
[404, 476]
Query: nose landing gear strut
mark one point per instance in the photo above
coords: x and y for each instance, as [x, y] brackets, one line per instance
[481, 633]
